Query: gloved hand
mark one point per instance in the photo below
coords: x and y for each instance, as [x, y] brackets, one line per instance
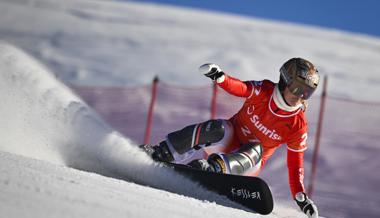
[306, 205]
[212, 71]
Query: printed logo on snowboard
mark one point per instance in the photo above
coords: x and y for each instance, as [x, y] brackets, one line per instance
[245, 193]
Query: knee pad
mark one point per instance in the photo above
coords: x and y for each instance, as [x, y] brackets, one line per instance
[246, 158]
[191, 137]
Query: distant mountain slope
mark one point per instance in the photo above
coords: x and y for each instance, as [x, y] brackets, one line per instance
[128, 43]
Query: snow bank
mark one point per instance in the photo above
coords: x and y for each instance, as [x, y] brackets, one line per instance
[43, 119]
[34, 188]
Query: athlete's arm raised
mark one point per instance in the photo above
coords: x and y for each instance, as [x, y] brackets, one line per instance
[231, 85]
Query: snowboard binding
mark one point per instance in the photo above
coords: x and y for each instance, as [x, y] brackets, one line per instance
[160, 153]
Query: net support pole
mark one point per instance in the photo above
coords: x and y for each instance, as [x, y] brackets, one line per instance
[314, 161]
[149, 119]
[213, 100]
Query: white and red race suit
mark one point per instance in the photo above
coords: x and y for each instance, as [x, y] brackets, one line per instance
[263, 118]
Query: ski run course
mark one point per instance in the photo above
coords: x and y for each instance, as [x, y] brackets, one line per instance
[58, 158]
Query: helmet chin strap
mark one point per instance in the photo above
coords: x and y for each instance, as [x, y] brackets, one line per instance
[281, 103]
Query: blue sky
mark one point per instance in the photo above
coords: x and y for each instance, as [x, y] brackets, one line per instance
[360, 16]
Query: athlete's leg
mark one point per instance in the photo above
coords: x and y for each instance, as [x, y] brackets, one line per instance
[244, 161]
[191, 138]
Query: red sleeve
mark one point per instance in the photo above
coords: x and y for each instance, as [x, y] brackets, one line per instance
[297, 141]
[295, 172]
[236, 87]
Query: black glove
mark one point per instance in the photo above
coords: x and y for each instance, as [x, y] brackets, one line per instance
[212, 71]
[306, 205]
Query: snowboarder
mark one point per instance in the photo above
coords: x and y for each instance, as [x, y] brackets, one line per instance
[272, 115]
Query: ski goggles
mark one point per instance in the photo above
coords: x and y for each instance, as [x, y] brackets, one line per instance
[300, 89]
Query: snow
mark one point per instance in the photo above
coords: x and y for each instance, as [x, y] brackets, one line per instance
[45, 122]
[34, 188]
[57, 152]
[116, 41]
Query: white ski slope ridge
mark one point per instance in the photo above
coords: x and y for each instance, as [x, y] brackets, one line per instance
[44, 120]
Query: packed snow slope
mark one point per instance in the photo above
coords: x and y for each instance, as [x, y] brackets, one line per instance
[42, 119]
[110, 43]
[34, 188]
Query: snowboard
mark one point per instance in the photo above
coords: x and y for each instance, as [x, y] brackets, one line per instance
[250, 192]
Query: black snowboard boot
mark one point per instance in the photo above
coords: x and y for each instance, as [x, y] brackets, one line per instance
[158, 152]
[213, 164]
